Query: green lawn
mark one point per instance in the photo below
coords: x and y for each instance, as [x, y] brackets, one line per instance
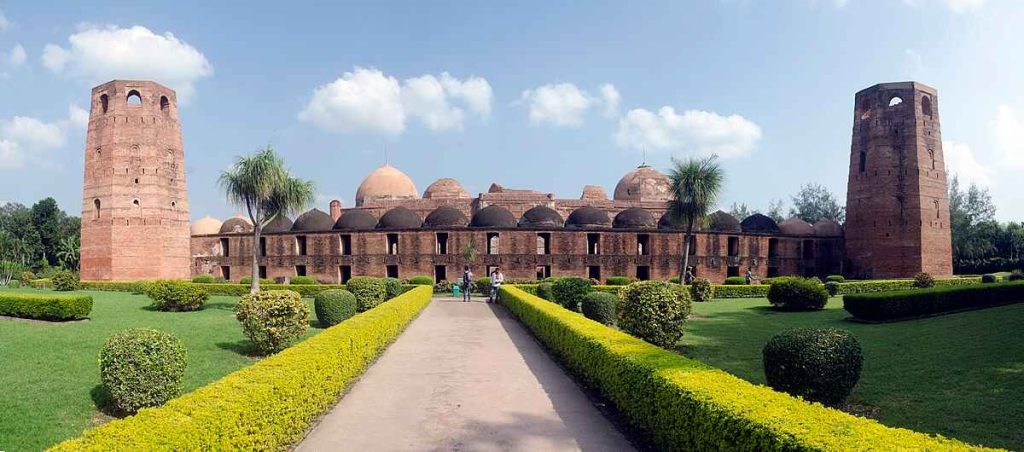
[959, 375]
[49, 372]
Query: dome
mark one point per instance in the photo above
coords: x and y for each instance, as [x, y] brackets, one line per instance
[541, 217]
[399, 218]
[313, 220]
[206, 226]
[445, 217]
[828, 228]
[356, 220]
[446, 188]
[236, 225]
[665, 222]
[588, 217]
[385, 183]
[643, 184]
[280, 223]
[593, 193]
[796, 226]
[493, 217]
[759, 223]
[723, 222]
[634, 218]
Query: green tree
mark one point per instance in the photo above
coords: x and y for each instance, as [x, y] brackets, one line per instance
[695, 184]
[814, 202]
[741, 211]
[264, 187]
[48, 219]
[971, 213]
[775, 209]
[23, 238]
[68, 253]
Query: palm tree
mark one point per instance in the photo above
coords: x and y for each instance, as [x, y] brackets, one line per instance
[68, 252]
[695, 187]
[262, 185]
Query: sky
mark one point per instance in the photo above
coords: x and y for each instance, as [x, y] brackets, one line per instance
[544, 95]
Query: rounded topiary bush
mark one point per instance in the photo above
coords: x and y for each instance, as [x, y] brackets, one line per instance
[65, 281]
[141, 368]
[27, 277]
[569, 292]
[369, 292]
[272, 319]
[421, 280]
[392, 288]
[702, 290]
[818, 364]
[247, 280]
[735, 281]
[204, 279]
[1016, 275]
[797, 294]
[654, 311]
[176, 295]
[987, 278]
[832, 287]
[482, 285]
[300, 281]
[923, 280]
[334, 306]
[618, 280]
[545, 291]
[835, 278]
[600, 307]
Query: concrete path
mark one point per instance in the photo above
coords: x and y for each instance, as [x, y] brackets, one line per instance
[464, 377]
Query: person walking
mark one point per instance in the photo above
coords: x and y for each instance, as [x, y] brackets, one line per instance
[467, 283]
[749, 276]
[496, 279]
[688, 277]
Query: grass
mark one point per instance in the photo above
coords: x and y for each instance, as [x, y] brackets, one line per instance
[49, 371]
[959, 375]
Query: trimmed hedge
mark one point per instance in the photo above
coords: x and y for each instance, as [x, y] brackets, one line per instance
[334, 306]
[937, 300]
[45, 306]
[369, 292]
[204, 279]
[176, 295]
[600, 307]
[272, 319]
[65, 281]
[270, 404]
[735, 281]
[681, 404]
[655, 311]
[247, 280]
[301, 281]
[142, 367]
[886, 285]
[750, 291]
[818, 364]
[214, 289]
[618, 280]
[569, 292]
[835, 278]
[421, 280]
[797, 294]
[702, 290]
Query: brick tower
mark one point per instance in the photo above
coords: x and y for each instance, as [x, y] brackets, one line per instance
[135, 222]
[897, 204]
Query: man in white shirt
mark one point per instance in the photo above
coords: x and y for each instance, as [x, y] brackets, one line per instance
[496, 279]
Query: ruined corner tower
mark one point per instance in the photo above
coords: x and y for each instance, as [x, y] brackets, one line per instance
[135, 221]
[897, 204]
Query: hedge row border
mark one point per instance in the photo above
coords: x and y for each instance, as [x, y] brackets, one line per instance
[898, 306]
[51, 307]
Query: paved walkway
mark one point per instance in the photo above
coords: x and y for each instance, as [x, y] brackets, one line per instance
[464, 376]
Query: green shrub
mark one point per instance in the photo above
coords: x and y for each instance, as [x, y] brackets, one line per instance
[176, 295]
[443, 287]
[545, 290]
[204, 278]
[749, 291]
[569, 292]
[272, 319]
[735, 281]
[65, 281]
[797, 294]
[818, 364]
[832, 287]
[247, 280]
[654, 311]
[421, 280]
[674, 280]
[482, 285]
[334, 306]
[835, 278]
[989, 278]
[42, 283]
[923, 280]
[600, 307]
[45, 306]
[14, 284]
[392, 288]
[369, 292]
[142, 368]
[27, 277]
[897, 305]
[302, 280]
[618, 280]
[702, 290]
[1016, 275]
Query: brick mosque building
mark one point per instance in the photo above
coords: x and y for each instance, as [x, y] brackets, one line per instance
[395, 231]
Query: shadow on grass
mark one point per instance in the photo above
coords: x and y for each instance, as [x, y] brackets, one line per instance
[104, 403]
[243, 347]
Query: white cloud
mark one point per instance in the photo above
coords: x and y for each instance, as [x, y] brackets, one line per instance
[694, 131]
[78, 116]
[562, 105]
[98, 54]
[17, 56]
[611, 98]
[3, 21]
[957, 6]
[960, 160]
[369, 100]
[33, 133]
[1009, 131]
[24, 139]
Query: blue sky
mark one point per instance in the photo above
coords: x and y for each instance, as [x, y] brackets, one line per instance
[527, 94]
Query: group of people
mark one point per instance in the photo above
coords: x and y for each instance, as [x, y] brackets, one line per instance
[497, 278]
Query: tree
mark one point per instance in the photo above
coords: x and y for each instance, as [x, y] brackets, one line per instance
[16, 220]
[968, 211]
[265, 188]
[469, 253]
[48, 219]
[814, 202]
[775, 209]
[68, 252]
[741, 211]
[695, 185]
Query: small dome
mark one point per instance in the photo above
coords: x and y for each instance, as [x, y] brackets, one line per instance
[446, 188]
[236, 225]
[828, 228]
[796, 226]
[206, 226]
[588, 217]
[665, 222]
[541, 217]
[493, 216]
[445, 217]
[643, 184]
[634, 218]
[280, 223]
[399, 218]
[386, 183]
[759, 223]
[593, 193]
[356, 220]
[723, 222]
[313, 220]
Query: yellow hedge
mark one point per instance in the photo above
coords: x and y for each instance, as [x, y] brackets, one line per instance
[270, 404]
[682, 404]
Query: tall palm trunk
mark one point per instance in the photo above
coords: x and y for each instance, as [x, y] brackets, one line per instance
[687, 239]
[255, 285]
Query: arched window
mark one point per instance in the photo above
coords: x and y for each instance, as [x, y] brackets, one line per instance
[134, 98]
[863, 160]
[931, 155]
[104, 100]
[926, 106]
[165, 105]
[96, 210]
[937, 211]
[895, 100]
[136, 203]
